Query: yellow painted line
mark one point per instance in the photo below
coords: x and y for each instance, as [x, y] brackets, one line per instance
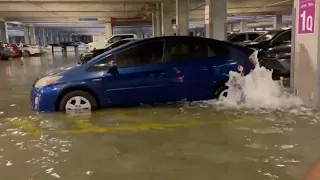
[136, 128]
[26, 125]
[80, 123]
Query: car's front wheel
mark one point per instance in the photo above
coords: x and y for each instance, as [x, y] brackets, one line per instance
[77, 101]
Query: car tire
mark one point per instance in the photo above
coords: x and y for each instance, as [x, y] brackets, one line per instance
[74, 95]
[26, 53]
[222, 91]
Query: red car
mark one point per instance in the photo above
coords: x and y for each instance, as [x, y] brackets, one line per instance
[16, 51]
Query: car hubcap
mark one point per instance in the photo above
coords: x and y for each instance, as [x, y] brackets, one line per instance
[223, 95]
[78, 103]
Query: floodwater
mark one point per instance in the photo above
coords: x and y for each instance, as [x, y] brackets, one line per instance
[191, 140]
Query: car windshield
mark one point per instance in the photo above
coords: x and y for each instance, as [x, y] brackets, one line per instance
[266, 36]
[113, 49]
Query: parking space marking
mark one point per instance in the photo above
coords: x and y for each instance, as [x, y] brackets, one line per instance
[89, 128]
[82, 124]
[26, 125]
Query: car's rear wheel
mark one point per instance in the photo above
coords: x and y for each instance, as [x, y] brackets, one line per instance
[221, 93]
[77, 101]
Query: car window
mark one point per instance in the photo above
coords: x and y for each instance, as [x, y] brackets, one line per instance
[267, 36]
[284, 37]
[216, 48]
[238, 38]
[118, 38]
[253, 36]
[179, 49]
[102, 65]
[141, 54]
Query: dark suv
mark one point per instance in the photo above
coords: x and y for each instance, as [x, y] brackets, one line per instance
[5, 51]
[271, 39]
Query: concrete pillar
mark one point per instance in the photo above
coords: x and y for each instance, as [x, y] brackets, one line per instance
[166, 15]
[159, 19]
[182, 17]
[216, 19]
[277, 23]
[154, 24]
[32, 35]
[243, 26]
[50, 36]
[3, 32]
[26, 35]
[108, 32]
[305, 58]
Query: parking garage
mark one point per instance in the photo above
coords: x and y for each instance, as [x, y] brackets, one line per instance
[270, 132]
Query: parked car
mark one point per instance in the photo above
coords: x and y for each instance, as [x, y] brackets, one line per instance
[89, 55]
[30, 50]
[112, 39]
[16, 51]
[155, 70]
[244, 37]
[278, 58]
[270, 39]
[5, 51]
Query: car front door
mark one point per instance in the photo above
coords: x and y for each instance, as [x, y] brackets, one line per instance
[137, 78]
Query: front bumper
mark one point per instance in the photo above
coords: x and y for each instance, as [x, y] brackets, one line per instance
[44, 98]
[280, 66]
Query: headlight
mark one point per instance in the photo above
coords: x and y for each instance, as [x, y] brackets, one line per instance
[46, 81]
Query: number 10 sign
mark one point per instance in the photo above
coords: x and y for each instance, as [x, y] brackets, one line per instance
[307, 12]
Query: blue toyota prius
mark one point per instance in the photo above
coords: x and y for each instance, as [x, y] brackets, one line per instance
[155, 70]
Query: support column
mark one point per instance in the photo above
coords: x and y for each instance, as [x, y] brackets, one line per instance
[159, 19]
[166, 15]
[26, 35]
[44, 36]
[182, 17]
[154, 24]
[216, 19]
[108, 32]
[305, 58]
[32, 35]
[243, 26]
[3, 32]
[277, 24]
[231, 27]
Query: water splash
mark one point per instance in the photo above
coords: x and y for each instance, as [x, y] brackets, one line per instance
[258, 90]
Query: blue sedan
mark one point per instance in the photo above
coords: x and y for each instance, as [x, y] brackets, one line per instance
[155, 70]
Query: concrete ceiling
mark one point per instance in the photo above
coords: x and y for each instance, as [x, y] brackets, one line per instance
[68, 12]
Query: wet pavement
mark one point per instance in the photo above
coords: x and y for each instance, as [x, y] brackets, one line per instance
[185, 141]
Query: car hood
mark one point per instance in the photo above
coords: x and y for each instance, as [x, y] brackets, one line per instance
[61, 70]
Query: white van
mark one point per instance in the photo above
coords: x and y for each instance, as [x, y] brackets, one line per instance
[112, 39]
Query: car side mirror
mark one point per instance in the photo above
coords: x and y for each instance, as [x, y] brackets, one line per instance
[113, 69]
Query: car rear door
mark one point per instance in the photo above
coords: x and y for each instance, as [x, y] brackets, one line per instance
[196, 61]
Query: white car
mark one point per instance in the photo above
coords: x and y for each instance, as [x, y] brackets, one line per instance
[112, 39]
[29, 50]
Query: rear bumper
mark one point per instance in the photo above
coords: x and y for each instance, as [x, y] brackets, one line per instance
[280, 66]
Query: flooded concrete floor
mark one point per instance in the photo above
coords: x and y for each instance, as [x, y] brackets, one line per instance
[184, 141]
